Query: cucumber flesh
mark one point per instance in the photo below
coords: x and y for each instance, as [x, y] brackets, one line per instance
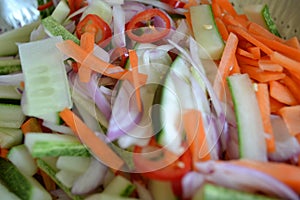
[99, 8]
[50, 171]
[11, 116]
[119, 186]
[77, 164]
[161, 190]
[25, 187]
[46, 84]
[8, 40]
[209, 191]
[260, 14]
[6, 194]
[61, 12]
[9, 94]
[22, 159]
[206, 32]
[101, 196]
[67, 177]
[250, 126]
[10, 137]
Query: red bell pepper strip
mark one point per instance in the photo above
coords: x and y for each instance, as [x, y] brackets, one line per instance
[144, 20]
[94, 24]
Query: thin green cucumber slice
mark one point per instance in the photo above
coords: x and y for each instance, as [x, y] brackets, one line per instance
[10, 66]
[25, 187]
[9, 94]
[11, 115]
[260, 14]
[206, 32]
[250, 126]
[119, 186]
[6, 194]
[10, 137]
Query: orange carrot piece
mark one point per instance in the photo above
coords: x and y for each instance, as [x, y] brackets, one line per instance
[243, 33]
[222, 28]
[262, 95]
[133, 59]
[3, 152]
[291, 65]
[236, 68]
[293, 42]
[31, 125]
[227, 61]
[275, 105]
[286, 173]
[291, 117]
[99, 148]
[247, 61]
[227, 6]
[260, 75]
[292, 86]
[281, 93]
[243, 20]
[87, 41]
[71, 49]
[217, 11]
[255, 51]
[280, 47]
[50, 185]
[244, 44]
[196, 136]
[267, 65]
[245, 53]
[230, 20]
[257, 29]
[190, 3]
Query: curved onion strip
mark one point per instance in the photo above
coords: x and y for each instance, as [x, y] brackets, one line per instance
[131, 9]
[244, 179]
[191, 182]
[125, 113]
[119, 26]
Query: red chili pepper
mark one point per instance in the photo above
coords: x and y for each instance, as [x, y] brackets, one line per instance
[174, 3]
[144, 20]
[45, 6]
[75, 5]
[94, 24]
[172, 172]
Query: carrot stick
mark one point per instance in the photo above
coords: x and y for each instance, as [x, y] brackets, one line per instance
[283, 172]
[257, 29]
[227, 6]
[3, 152]
[291, 117]
[280, 47]
[31, 125]
[71, 49]
[87, 41]
[50, 185]
[243, 33]
[255, 51]
[267, 65]
[196, 136]
[236, 67]
[217, 11]
[247, 61]
[293, 42]
[291, 65]
[230, 20]
[292, 86]
[275, 105]
[227, 61]
[281, 93]
[222, 28]
[262, 95]
[260, 75]
[99, 148]
[133, 58]
[245, 53]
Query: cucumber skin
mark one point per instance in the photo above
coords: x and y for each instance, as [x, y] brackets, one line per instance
[43, 165]
[45, 149]
[269, 21]
[15, 180]
[10, 66]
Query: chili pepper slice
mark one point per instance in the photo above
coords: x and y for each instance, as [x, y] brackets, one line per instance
[142, 29]
[172, 172]
[94, 24]
[174, 3]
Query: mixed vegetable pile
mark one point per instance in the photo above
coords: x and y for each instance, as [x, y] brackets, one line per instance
[136, 99]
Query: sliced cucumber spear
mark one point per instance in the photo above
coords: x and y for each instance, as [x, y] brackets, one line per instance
[260, 14]
[206, 32]
[25, 187]
[250, 126]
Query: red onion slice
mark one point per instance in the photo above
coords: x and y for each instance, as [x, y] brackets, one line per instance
[119, 26]
[244, 179]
